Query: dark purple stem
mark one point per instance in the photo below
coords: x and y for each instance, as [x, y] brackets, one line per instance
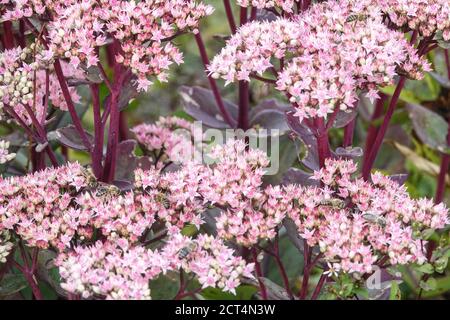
[259, 274]
[440, 191]
[244, 99]
[323, 143]
[97, 154]
[322, 281]
[70, 106]
[349, 133]
[373, 130]
[284, 276]
[383, 129]
[212, 82]
[230, 16]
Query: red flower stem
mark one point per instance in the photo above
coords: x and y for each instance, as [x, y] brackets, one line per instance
[114, 124]
[244, 87]
[383, 129]
[323, 143]
[373, 130]
[259, 274]
[306, 270]
[180, 293]
[322, 281]
[349, 133]
[8, 36]
[97, 154]
[230, 16]
[104, 76]
[244, 99]
[70, 106]
[440, 191]
[284, 276]
[212, 82]
[253, 13]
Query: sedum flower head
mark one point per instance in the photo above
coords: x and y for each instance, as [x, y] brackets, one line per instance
[355, 223]
[39, 207]
[117, 270]
[140, 31]
[331, 51]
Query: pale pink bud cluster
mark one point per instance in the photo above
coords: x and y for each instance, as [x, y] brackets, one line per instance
[168, 140]
[5, 245]
[16, 76]
[355, 223]
[117, 270]
[23, 82]
[39, 207]
[331, 51]
[286, 5]
[426, 16]
[5, 155]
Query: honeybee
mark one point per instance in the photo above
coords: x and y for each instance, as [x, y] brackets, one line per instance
[104, 189]
[88, 175]
[357, 17]
[185, 251]
[333, 202]
[375, 218]
[161, 198]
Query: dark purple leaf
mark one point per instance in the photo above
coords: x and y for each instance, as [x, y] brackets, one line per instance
[443, 81]
[270, 114]
[343, 118]
[293, 235]
[126, 160]
[127, 93]
[265, 15]
[429, 126]
[399, 178]
[123, 185]
[69, 137]
[311, 156]
[300, 177]
[200, 104]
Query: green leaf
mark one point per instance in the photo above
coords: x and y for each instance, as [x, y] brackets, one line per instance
[11, 284]
[164, 288]
[406, 95]
[426, 268]
[395, 294]
[429, 285]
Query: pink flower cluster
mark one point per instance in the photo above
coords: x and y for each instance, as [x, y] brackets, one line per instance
[256, 219]
[355, 223]
[330, 51]
[168, 140]
[39, 207]
[286, 5]
[426, 16]
[118, 270]
[142, 31]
